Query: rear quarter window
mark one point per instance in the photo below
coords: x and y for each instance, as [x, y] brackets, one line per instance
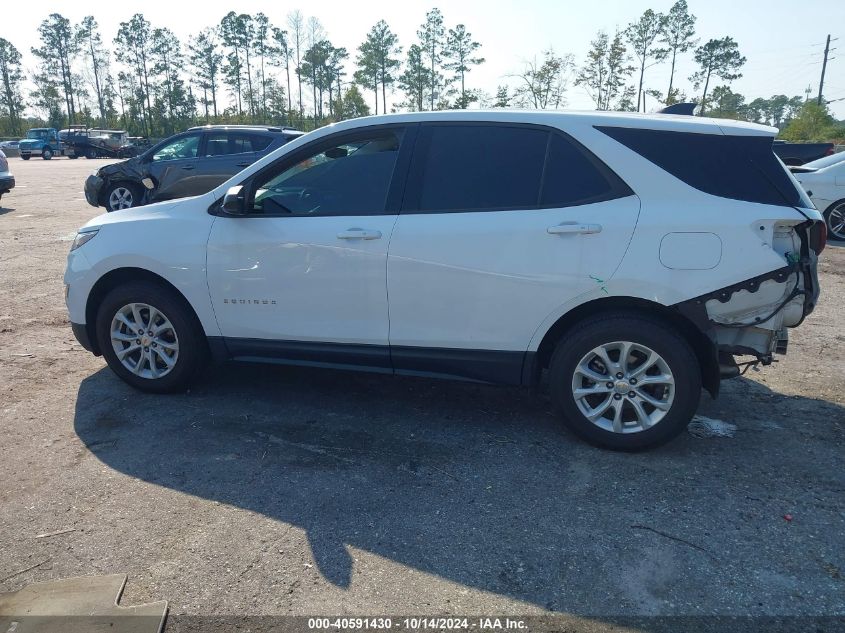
[736, 167]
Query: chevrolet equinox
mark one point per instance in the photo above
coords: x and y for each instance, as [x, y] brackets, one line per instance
[626, 260]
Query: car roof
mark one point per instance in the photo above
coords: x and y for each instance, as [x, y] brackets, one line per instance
[256, 128]
[668, 122]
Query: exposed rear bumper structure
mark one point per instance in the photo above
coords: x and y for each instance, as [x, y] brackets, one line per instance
[751, 317]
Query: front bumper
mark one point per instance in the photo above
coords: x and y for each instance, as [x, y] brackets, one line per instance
[93, 187]
[7, 182]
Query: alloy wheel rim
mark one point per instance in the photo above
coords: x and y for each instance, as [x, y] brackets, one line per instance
[623, 387]
[144, 340]
[836, 221]
[120, 198]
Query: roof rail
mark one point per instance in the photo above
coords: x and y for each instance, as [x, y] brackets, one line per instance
[241, 126]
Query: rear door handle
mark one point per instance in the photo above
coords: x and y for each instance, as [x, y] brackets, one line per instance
[187, 167]
[243, 164]
[566, 228]
[358, 234]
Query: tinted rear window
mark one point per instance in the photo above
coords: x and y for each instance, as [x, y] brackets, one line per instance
[736, 167]
[481, 167]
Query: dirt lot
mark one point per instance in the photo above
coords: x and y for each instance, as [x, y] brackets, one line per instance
[271, 490]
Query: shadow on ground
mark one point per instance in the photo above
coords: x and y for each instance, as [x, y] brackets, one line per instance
[481, 486]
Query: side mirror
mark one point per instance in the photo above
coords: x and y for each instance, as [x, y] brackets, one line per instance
[233, 201]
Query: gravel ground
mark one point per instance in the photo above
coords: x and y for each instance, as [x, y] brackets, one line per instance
[271, 490]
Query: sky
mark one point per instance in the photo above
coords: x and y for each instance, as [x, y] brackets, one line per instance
[783, 40]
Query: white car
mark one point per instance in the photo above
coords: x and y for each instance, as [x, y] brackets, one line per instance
[620, 256]
[824, 182]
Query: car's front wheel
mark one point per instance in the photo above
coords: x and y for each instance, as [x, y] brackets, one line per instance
[122, 195]
[625, 381]
[47, 154]
[27, 157]
[835, 218]
[149, 337]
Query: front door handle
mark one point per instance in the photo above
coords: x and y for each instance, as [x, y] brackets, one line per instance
[567, 228]
[187, 167]
[243, 164]
[358, 234]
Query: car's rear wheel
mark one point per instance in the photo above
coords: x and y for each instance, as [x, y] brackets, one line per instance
[122, 195]
[91, 153]
[47, 154]
[625, 382]
[835, 218]
[149, 337]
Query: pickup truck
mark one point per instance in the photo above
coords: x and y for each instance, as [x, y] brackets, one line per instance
[799, 153]
[41, 141]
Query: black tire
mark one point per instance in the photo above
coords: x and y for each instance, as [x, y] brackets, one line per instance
[134, 196]
[831, 235]
[47, 153]
[192, 344]
[25, 157]
[641, 330]
[91, 153]
[73, 156]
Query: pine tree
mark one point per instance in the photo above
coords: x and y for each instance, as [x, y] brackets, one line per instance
[460, 48]
[11, 75]
[57, 52]
[432, 40]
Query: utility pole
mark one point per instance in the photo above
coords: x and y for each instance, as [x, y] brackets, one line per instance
[824, 67]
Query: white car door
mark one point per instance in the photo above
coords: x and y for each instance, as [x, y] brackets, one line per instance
[501, 225]
[301, 275]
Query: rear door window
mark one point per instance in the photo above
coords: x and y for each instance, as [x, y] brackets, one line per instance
[574, 176]
[479, 167]
[499, 167]
[259, 142]
[225, 143]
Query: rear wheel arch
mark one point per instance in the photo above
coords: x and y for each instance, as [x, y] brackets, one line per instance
[701, 344]
[121, 276]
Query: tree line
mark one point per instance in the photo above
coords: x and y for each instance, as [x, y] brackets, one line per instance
[245, 69]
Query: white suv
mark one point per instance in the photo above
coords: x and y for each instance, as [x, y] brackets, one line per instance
[628, 258]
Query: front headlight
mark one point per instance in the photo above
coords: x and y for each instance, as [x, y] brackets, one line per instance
[83, 238]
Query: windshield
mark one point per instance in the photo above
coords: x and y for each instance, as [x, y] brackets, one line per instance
[827, 161]
[38, 134]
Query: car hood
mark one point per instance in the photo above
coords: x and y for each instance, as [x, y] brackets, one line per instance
[30, 141]
[157, 211]
[131, 168]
